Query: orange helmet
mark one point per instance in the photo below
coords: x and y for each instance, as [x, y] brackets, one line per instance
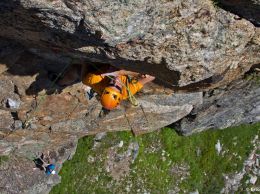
[110, 98]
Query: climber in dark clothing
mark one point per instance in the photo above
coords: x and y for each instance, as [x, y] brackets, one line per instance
[42, 165]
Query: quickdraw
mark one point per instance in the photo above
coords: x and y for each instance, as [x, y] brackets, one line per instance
[131, 97]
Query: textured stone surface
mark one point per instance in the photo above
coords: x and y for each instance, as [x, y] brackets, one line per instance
[8, 96]
[153, 112]
[6, 120]
[184, 41]
[224, 107]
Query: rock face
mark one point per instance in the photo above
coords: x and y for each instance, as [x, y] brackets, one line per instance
[192, 47]
[224, 107]
[184, 41]
[39, 116]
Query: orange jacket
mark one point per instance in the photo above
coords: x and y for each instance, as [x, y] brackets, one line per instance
[98, 83]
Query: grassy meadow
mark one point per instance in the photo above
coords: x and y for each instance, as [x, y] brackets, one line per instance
[159, 162]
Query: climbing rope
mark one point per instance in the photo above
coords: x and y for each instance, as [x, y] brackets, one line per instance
[131, 97]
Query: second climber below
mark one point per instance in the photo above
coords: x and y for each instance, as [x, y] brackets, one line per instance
[114, 85]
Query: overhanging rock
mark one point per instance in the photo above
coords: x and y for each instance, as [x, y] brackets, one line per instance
[180, 42]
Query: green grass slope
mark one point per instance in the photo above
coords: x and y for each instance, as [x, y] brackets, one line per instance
[166, 162]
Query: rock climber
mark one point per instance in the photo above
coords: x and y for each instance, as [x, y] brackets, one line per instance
[42, 165]
[113, 85]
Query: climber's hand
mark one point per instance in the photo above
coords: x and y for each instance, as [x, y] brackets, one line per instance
[146, 78]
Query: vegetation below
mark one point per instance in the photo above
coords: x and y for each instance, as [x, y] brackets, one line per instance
[3, 159]
[166, 162]
[255, 76]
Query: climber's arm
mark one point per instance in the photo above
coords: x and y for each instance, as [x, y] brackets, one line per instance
[121, 72]
[146, 79]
